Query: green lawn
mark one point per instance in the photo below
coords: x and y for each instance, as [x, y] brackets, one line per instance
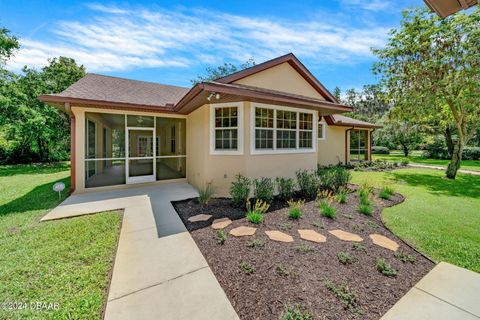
[440, 217]
[416, 157]
[66, 261]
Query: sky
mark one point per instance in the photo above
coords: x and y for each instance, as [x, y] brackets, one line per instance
[172, 42]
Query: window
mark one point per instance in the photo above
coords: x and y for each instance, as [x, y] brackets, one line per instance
[358, 145]
[322, 126]
[172, 140]
[226, 129]
[281, 130]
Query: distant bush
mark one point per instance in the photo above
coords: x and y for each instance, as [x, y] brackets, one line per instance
[240, 190]
[286, 187]
[307, 182]
[433, 151]
[263, 189]
[380, 150]
[471, 153]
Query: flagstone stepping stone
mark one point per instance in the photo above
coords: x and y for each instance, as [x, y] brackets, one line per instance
[311, 235]
[200, 217]
[243, 231]
[279, 236]
[384, 242]
[346, 236]
[221, 223]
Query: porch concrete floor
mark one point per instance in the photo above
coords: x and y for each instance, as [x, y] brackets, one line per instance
[159, 272]
[446, 292]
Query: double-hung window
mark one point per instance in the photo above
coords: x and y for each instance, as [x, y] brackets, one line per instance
[226, 128]
[358, 145]
[282, 129]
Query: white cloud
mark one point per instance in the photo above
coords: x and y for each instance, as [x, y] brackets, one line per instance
[116, 39]
[370, 5]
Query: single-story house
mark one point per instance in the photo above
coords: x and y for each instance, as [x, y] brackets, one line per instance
[265, 121]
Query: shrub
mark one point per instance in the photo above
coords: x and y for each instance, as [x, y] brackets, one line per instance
[255, 243]
[343, 292]
[404, 257]
[205, 194]
[295, 211]
[246, 267]
[358, 247]
[264, 189]
[240, 190]
[295, 313]
[471, 153]
[365, 209]
[307, 183]
[380, 150]
[220, 236]
[386, 193]
[385, 268]
[304, 248]
[286, 187]
[344, 258]
[255, 217]
[326, 209]
[333, 178]
[342, 195]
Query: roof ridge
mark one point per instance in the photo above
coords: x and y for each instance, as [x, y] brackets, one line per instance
[134, 80]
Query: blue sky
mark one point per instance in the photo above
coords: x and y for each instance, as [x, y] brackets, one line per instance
[172, 42]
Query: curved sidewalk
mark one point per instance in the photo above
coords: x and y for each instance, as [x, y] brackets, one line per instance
[427, 166]
[159, 272]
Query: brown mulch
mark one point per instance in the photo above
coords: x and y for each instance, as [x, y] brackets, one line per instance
[264, 293]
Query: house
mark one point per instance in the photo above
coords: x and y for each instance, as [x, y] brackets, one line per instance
[444, 8]
[265, 121]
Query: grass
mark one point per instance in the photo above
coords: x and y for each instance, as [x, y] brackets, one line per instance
[66, 261]
[440, 217]
[416, 157]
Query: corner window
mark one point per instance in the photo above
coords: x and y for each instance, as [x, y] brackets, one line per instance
[358, 145]
[226, 129]
[281, 130]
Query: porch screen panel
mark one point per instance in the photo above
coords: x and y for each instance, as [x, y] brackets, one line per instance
[105, 149]
[171, 148]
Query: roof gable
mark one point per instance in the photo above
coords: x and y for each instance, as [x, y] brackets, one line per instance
[269, 75]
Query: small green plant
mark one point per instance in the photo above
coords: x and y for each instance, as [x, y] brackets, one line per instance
[295, 211]
[358, 247]
[240, 190]
[263, 189]
[357, 227]
[285, 226]
[256, 243]
[372, 225]
[307, 183]
[282, 270]
[344, 258]
[260, 206]
[254, 217]
[364, 193]
[342, 196]
[326, 209]
[386, 193]
[404, 257]
[385, 268]
[293, 312]
[221, 236]
[246, 267]
[365, 209]
[304, 248]
[286, 187]
[345, 294]
[318, 225]
[205, 194]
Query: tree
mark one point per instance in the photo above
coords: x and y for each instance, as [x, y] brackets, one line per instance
[431, 70]
[400, 133]
[337, 93]
[368, 104]
[222, 71]
[8, 45]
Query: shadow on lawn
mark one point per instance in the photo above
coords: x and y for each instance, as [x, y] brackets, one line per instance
[40, 198]
[464, 185]
[34, 168]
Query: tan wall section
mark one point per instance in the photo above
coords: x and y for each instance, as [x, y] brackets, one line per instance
[282, 78]
[331, 150]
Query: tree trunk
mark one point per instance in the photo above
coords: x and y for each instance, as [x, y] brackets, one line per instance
[454, 164]
[449, 140]
[40, 149]
[405, 150]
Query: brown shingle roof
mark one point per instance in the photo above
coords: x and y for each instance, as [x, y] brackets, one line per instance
[341, 120]
[112, 89]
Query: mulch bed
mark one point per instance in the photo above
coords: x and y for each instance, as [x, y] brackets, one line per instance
[264, 293]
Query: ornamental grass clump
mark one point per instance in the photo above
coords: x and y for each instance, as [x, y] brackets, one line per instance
[240, 190]
[364, 194]
[386, 193]
[205, 194]
[255, 213]
[342, 195]
[324, 203]
[295, 209]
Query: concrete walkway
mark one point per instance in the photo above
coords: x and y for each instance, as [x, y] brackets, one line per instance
[446, 292]
[414, 165]
[159, 272]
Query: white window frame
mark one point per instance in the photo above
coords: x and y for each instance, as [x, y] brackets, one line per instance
[239, 150]
[254, 151]
[324, 127]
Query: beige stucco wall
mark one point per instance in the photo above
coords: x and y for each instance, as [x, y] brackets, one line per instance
[282, 78]
[331, 150]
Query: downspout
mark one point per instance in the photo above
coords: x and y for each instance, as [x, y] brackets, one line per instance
[346, 144]
[68, 110]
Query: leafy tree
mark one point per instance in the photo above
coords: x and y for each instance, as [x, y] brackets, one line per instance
[227, 68]
[337, 93]
[430, 68]
[405, 134]
[369, 104]
[8, 45]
